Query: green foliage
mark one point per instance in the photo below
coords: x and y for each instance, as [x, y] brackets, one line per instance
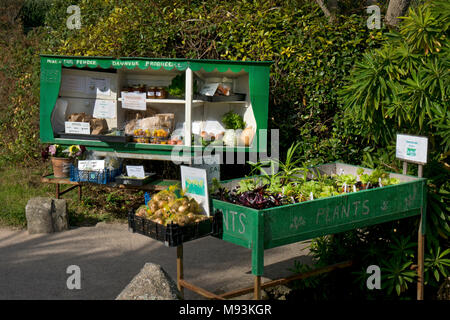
[33, 13]
[233, 120]
[19, 91]
[404, 86]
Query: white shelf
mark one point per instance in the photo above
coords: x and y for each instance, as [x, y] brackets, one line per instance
[179, 101]
[168, 101]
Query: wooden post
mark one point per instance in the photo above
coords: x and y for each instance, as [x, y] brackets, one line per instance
[257, 288]
[57, 191]
[79, 192]
[405, 167]
[420, 250]
[180, 269]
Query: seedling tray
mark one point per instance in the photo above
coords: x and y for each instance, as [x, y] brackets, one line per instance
[173, 234]
[263, 229]
[135, 181]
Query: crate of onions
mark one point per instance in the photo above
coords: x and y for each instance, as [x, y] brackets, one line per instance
[171, 218]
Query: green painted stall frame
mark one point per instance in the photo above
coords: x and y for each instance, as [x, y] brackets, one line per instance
[259, 230]
[253, 77]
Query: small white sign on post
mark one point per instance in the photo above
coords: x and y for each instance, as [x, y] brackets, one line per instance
[412, 148]
[136, 171]
[77, 127]
[134, 101]
[194, 183]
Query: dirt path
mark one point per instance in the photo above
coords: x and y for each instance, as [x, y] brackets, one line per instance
[34, 266]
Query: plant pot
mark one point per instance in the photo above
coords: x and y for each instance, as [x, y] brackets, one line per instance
[61, 167]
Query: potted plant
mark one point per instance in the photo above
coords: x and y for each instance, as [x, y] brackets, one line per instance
[62, 158]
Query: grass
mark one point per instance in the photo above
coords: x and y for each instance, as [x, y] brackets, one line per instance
[99, 203]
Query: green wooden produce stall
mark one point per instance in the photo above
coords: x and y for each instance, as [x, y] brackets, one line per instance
[74, 79]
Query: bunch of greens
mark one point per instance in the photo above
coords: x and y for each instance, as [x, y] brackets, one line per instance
[176, 88]
[234, 121]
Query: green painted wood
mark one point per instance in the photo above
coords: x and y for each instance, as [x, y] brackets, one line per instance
[51, 68]
[264, 229]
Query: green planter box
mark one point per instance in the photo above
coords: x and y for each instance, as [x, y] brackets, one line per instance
[259, 230]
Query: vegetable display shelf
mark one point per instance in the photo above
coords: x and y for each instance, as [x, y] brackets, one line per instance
[73, 85]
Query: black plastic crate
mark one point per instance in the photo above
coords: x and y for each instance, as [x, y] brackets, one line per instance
[173, 234]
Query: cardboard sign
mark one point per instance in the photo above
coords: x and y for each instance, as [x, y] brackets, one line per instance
[104, 109]
[194, 183]
[134, 101]
[77, 127]
[91, 165]
[136, 171]
[412, 148]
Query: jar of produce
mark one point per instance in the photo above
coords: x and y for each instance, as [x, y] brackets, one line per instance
[142, 88]
[160, 93]
[151, 92]
[136, 88]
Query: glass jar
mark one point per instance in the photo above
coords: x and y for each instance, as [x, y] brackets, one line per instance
[160, 93]
[151, 92]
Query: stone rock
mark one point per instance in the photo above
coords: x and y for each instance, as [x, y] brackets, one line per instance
[59, 215]
[151, 283]
[46, 215]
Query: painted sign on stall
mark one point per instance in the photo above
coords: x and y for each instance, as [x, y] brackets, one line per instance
[194, 183]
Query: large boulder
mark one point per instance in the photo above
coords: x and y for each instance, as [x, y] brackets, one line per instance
[151, 283]
[46, 215]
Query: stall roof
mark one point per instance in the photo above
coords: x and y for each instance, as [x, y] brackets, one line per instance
[154, 63]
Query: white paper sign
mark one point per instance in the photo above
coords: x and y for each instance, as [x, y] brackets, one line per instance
[73, 83]
[196, 127]
[412, 148]
[136, 171]
[134, 101]
[104, 109]
[91, 165]
[77, 127]
[98, 86]
[194, 183]
[209, 89]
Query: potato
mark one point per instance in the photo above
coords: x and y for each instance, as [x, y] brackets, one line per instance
[158, 213]
[153, 207]
[183, 208]
[161, 203]
[190, 215]
[141, 211]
